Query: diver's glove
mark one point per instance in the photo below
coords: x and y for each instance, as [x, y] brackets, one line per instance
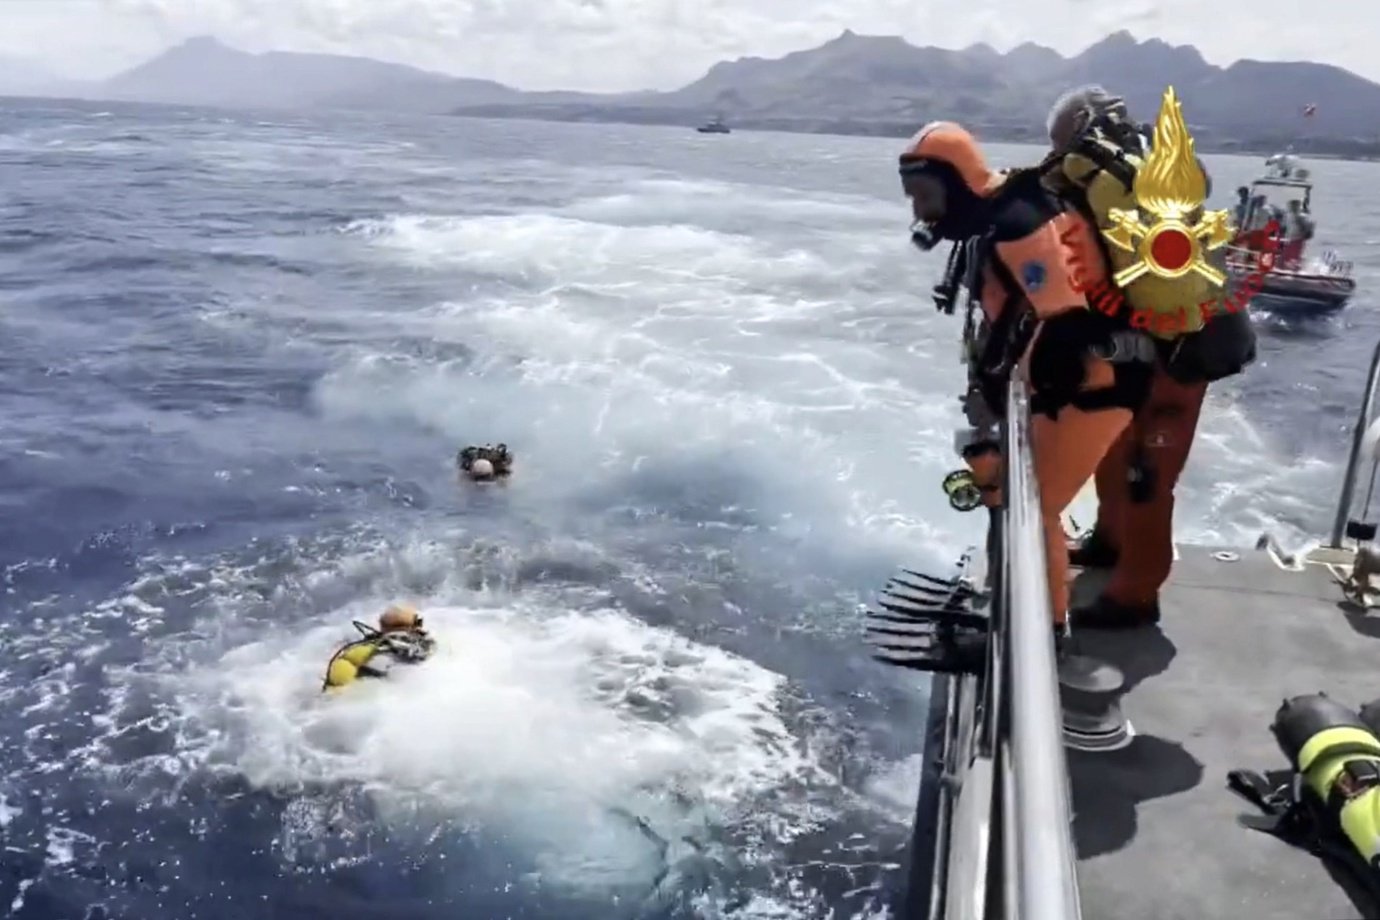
[1062, 347]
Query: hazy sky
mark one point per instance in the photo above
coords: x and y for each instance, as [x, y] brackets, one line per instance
[659, 44]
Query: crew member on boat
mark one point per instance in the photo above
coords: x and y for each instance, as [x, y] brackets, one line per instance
[1038, 318]
[1298, 230]
[1137, 477]
[1243, 205]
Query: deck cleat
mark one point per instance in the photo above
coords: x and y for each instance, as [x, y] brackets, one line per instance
[1085, 674]
[1097, 731]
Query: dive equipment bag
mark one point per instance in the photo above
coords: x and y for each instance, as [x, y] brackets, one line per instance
[1095, 173]
[1329, 801]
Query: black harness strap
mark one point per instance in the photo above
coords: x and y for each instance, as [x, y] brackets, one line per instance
[1107, 158]
[945, 293]
[1011, 333]
[1117, 396]
[1279, 798]
[1130, 383]
[1294, 816]
[1357, 777]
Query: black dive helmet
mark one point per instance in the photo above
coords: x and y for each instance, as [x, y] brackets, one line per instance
[965, 211]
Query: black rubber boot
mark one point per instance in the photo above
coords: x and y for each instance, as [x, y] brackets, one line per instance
[1105, 613]
[1093, 552]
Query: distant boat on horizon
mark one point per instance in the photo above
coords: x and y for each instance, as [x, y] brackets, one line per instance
[714, 126]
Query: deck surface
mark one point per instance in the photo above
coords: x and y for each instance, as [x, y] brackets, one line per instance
[1155, 825]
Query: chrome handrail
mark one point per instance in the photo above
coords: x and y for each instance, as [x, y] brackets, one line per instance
[1358, 436]
[1046, 881]
[996, 800]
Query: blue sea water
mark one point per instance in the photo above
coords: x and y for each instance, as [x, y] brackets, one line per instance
[238, 352]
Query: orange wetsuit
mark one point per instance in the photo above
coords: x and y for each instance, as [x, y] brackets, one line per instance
[1082, 402]
[1135, 495]
[1136, 480]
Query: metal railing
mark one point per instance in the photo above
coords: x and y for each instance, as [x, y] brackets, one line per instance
[993, 835]
[1045, 874]
[1363, 422]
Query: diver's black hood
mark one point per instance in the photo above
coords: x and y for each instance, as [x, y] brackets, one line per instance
[966, 213]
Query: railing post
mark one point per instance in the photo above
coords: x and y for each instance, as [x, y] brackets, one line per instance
[1357, 437]
[1046, 883]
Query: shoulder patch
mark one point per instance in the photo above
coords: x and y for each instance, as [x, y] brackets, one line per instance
[1033, 275]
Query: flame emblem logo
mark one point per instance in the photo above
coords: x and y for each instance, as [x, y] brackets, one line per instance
[1169, 189]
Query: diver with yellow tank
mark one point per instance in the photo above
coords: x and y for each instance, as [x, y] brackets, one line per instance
[1329, 799]
[400, 637]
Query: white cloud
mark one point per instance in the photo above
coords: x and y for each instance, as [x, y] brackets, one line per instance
[627, 44]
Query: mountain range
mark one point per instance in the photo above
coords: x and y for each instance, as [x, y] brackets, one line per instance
[851, 84]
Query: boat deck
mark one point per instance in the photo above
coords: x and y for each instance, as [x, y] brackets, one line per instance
[1155, 825]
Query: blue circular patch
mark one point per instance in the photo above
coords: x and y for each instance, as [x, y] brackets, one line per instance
[1033, 276]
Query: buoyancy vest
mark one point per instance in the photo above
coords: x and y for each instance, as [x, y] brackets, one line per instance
[1096, 175]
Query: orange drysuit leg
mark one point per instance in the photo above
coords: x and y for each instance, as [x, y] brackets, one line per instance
[1144, 531]
[1067, 451]
[1112, 492]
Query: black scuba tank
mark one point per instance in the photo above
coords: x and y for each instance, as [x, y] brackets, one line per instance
[1301, 718]
[1370, 714]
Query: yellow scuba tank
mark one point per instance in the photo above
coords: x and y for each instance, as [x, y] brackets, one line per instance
[344, 665]
[1337, 756]
[1097, 175]
[408, 645]
[1329, 800]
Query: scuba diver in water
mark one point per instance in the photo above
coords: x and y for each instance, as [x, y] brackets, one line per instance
[1016, 245]
[485, 464]
[400, 637]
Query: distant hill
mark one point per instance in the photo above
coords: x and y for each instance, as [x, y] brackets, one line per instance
[854, 83]
[203, 71]
[884, 85]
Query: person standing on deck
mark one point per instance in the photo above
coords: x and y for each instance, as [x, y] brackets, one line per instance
[1036, 317]
[1136, 479]
[1298, 230]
